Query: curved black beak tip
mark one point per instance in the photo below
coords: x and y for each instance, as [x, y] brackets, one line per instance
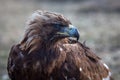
[74, 32]
[77, 38]
[77, 35]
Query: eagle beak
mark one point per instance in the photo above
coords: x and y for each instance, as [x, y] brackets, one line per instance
[70, 31]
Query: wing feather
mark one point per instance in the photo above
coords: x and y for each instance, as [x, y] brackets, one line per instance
[89, 65]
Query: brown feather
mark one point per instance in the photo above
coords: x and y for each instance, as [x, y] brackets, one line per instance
[35, 58]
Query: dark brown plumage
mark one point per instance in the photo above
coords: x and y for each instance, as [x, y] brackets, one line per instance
[47, 53]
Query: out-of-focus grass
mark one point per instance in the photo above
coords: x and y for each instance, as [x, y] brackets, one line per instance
[3, 64]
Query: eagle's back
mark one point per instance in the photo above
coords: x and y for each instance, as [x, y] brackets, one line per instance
[60, 61]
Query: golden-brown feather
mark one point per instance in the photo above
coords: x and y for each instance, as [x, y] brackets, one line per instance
[35, 58]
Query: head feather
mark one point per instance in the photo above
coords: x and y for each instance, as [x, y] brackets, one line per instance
[38, 27]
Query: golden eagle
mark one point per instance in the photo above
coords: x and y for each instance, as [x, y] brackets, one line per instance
[50, 50]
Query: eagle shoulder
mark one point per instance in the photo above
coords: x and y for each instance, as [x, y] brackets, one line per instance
[82, 61]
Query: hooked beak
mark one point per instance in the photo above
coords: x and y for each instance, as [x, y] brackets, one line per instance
[70, 31]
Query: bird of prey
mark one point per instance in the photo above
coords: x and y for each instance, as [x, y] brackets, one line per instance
[50, 50]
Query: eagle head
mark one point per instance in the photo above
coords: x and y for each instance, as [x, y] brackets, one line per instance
[51, 26]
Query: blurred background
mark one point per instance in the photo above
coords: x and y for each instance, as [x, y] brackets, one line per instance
[97, 20]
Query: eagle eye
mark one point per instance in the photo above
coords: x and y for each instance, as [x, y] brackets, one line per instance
[58, 25]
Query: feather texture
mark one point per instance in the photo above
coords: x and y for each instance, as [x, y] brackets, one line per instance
[37, 58]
